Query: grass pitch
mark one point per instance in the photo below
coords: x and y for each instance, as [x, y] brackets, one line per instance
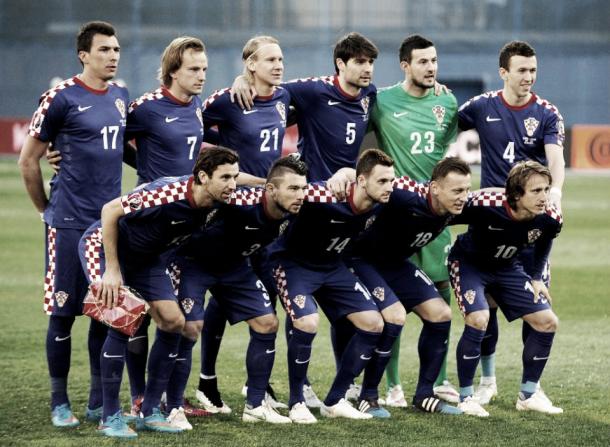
[577, 377]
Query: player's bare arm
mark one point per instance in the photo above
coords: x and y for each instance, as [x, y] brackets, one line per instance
[243, 91]
[112, 279]
[556, 163]
[340, 180]
[29, 164]
[245, 179]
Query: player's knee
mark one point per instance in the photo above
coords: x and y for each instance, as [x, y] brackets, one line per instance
[171, 323]
[369, 321]
[192, 329]
[546, 322]
[266, 324]
[478, 320]
[395, 314]
[308, 323]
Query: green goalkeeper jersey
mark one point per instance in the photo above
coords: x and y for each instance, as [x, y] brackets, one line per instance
[415, 132]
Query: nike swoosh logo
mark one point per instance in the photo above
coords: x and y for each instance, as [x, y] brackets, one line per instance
[336, 221]
[137, 338]
[269, 351]
[471, 357]
[399, 114]
[365, 358]
[489, 119]
[82, 109]
[495, 229]
[383, 352]
[251, 228]
[57, 338]
[540, 358]
[176, 222]
[300, 362]
[248, 112]
[173, 356]
[267, 304]
[171, 120]
[333, 103]
[108, 356]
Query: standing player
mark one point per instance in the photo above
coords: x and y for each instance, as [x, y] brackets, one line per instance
[168, 129]
[415, 127]
[84, 118]
[485, 259]
[140, 231]
[514, 124]
[257, 136]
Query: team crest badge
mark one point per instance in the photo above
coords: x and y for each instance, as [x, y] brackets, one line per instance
[531, 124]
[283, 227]
[379, 293]
[37, 121]
[187, 305]
[532, 235]
[134, 200]
[210, 216]
[199, 116]
[60, 298]
[299, 300]
[120, 105]
[470, 295]
[364, 102]
[281, 109]
[369, 222]
[439, 114]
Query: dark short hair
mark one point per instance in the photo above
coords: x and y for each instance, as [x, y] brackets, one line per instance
[371, 158]
[353, 45]
[412, 42]
[84, 38]
[515, 48]
[212, 157]
[518, 177]
[448, 165]
[288, 164]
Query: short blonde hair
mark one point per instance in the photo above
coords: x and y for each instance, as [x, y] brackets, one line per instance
[171, 60]
[250, 49]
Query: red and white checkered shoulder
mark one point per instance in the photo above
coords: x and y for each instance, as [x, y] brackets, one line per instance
[486, 198]
[247, 196]
[555, 213]
[143, 198]
[43, 106]
[150, 96]
[320, 193]
[214, 96]
[408, 184]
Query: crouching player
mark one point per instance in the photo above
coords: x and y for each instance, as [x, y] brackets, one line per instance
[485, 260]
[217, 259]
[139, 231]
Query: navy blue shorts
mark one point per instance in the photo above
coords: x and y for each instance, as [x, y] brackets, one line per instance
[509, 286]
[337, 290]
[65, 284]
[239, 292]
[403, 282]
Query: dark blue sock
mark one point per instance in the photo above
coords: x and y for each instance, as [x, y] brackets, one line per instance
[112, 363]
[288, 333]
[490, 340]
[381, 356]
[468, 353]
[341, 332]
[535, 354]
[526, 330]
[432, 348]
[59, 351]
[95, 341]
[214, 322]
[161, 360]
[180, 374]
[259, 363]
[299, 353]
[355, 357]
[137, 354]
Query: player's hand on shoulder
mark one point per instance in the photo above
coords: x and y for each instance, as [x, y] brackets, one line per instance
[243, 92]
[540, 289]
[53, 158]
[440, 89]
[555, 198]
[109, 288]
[339, 182]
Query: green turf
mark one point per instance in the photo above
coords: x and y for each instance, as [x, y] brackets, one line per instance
[576, 378]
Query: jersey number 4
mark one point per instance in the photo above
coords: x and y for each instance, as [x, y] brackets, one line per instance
[509, 152]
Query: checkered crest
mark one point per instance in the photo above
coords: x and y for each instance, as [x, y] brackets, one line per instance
[199, 117]
[299, 300]
[61, 298]
[369, 222]
[531, 124]
[364, 102]
[283, 227]
[379, 293]
[120, 105]
[187, 305]
[532, 235]
[281, 109]
[470, 295]
[439, 113]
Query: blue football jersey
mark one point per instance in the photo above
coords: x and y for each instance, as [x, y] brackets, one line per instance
[257, 134]
[168, 134]
[319, 235]
[494, 238]
[405, 225]
[234, 231]
[158, 216]
[332, 123]
[510, 134]
[87, 127]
